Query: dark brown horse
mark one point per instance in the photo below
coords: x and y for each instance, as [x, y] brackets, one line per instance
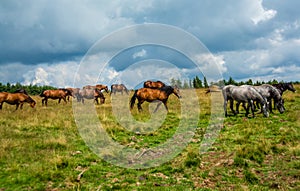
[153, 85]
[282, 87]
[150, 95]
[98, 86]
[17, 99]
[59, 94]
[118, 88]
[90, 93]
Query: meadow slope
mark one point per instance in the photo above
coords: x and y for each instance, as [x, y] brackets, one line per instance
[41, 149]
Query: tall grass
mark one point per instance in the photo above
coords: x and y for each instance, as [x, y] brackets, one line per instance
[41, 149]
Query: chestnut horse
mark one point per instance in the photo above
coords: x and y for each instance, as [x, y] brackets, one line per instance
[118, 88]
[90, 93]
[153, 85]
[17, 99]
[55, 94]
[150, 95]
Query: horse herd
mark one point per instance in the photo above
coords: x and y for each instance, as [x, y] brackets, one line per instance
[254, 96]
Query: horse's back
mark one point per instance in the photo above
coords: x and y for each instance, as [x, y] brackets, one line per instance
[3, 96]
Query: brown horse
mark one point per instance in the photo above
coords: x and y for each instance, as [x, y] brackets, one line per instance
[98, 86]
[90, 93]
[118, 88]
[55, 94]
[153, 85]
[150, 95]
[17, 99]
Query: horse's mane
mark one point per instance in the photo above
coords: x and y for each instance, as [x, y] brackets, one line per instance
[167, 89]
[275, 92]
[66, 90]
[21, 91]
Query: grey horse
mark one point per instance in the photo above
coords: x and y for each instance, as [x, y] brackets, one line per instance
[243, 94]
[270, 92]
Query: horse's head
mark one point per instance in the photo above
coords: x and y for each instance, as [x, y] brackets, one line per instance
[32, 103]
[265, 111]
[290, 87]
[280, 105]
[106, 89]
[176, 91]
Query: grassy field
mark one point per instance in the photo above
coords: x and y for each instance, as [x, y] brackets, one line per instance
[41, 149]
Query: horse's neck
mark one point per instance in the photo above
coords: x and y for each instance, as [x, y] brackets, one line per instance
[168, 90]
[261, 98]
[276, 93]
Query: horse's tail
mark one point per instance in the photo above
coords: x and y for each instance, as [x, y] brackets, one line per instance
[133, 98]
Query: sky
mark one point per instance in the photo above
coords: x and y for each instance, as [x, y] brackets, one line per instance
[51, 42]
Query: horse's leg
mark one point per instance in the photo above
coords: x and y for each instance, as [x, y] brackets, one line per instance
[17, 106]
[269, 105]
[21, 106]
[237, 105]
[250, 104]
[139, 105]
[247, 109]
[96, 100]
[257, 105]
[166, 106]
[64, 98]
[1, 105]
[225, 108]
[44, 101]
[59, 99]
[157, 106]
[231, 105]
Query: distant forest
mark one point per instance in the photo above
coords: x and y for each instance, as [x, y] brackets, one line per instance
[196, 82]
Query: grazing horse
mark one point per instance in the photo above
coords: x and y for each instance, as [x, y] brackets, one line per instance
[118, 88]
[153, 85]
[282, 87]
[270, 92]
[98, 86]
[55, 94]
[245, 94]
[150, 95]
[90, 93]
[17, 99]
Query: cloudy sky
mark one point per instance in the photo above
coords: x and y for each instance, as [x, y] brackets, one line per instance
[43, 42]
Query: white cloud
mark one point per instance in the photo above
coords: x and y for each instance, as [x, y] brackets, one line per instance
[60, 74]
[260, 14]
[139, 54]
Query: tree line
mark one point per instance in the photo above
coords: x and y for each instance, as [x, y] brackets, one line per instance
[31, 89]
[196, 82]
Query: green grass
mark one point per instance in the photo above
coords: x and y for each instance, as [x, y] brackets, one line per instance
[41, 149]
